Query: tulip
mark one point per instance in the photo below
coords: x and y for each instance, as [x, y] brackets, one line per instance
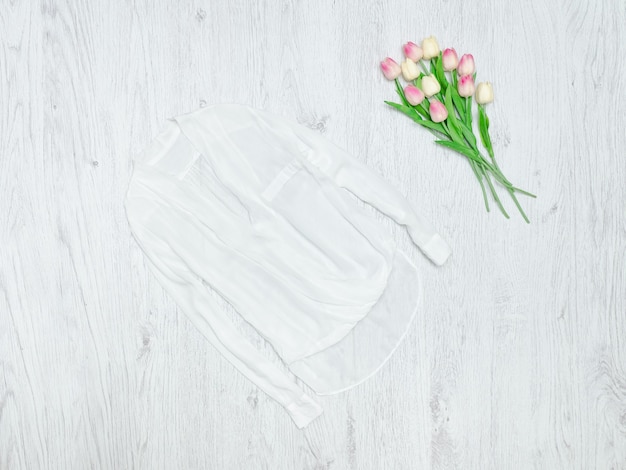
[413, 95]
[450, 60]
[391, 70]
[413, 51]
[430, 85]
[409, 70]
[466, 65]
[466, 86]
[484, 93]
[430, 47]
[438, 111]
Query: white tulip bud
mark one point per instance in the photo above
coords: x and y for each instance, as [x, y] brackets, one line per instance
[410, 71]
[484, 93]
[430, 47]
[430, 85]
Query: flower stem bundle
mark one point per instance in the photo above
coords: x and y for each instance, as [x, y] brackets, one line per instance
[439, 98]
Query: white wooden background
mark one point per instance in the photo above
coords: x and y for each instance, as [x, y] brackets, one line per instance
[518, 360]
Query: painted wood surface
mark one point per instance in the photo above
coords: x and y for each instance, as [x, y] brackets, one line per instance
[518, 358]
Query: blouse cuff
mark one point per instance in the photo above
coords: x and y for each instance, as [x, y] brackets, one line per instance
[304, 410]
[437, 249]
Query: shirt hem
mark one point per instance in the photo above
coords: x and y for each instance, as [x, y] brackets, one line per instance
[341, 332]
[304, 410]
[400, 340]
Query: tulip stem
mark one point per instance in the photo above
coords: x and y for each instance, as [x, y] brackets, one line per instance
[474, 165]
[494, 169]
[494, 193]
[468, 112]
[518, 205]
[480, 180]
[489, 147]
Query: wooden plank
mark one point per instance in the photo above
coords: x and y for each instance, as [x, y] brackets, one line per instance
[517, 359]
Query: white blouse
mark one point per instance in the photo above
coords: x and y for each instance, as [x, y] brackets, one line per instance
[235, 205]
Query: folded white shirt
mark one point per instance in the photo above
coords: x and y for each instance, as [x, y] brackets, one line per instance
[235, 203]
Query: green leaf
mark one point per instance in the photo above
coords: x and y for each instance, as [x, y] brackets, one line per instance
[483, 128]
[420, 108]
[436, 126]
[440, 74]
[455, 131]
[424, 107]
[466, 130]
[412, 113]
[468, 112]
[469, 135]
[408, 110]
[400, 92]
[456, 98]
[469, 153]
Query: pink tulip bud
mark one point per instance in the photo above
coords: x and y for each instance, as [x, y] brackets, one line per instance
[413, 95]
[466, 86]
[450, 60]
[438, 111]
[413, 51]
[391, 70]
[466, 65]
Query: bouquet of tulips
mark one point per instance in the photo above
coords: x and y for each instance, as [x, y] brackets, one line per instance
[439, 98]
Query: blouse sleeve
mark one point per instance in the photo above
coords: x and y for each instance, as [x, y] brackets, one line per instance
[208, 316]
[369, 186]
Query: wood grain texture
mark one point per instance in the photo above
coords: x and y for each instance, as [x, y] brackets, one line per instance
[518, 359]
